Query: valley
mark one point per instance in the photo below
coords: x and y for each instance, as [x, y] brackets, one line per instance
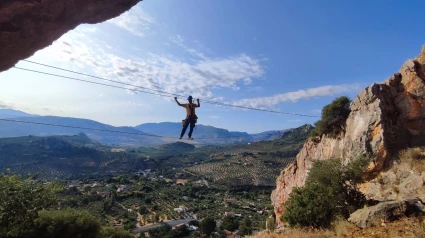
[134, 187]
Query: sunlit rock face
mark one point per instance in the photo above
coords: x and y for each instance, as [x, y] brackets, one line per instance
[385, 118]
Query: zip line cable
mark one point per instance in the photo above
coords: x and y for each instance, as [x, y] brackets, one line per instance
[87, 75]
[106, 130]
[87, 81]
[159, 92]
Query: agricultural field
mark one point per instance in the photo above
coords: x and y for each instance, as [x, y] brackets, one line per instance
[252, 164]
[239, 170]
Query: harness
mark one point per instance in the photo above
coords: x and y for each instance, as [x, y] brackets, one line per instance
[192, 116]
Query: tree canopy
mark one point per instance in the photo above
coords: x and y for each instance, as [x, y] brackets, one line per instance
[333, 117]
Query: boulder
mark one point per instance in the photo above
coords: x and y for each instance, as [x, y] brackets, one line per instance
[386, 211]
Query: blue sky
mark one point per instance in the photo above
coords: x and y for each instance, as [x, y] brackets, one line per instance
[288, 56]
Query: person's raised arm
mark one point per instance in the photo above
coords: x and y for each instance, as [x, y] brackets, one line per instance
[199, 104]
[175, 98]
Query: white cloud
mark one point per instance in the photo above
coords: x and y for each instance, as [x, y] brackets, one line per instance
[11, 105]
[158, 72]
[180, 41]
[4, 105]
[297, 120]
[267, 102]
[136, 21]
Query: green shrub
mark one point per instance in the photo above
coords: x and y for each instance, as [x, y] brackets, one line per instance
[230, 224]
[330, 191]
[165, 231]
[246, 227]
[270, 223]
[309, 206]
[20, 201]
[114, 232]
[143, 210]
[67, 223]
[208, 226]
[333, 118]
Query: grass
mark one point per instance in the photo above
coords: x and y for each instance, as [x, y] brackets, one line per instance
[415, 157]
[405, 227]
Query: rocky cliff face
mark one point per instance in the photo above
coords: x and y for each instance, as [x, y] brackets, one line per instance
[30, 25]
[385, 118]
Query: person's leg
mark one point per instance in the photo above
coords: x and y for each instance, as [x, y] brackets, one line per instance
[192, 125]
[185, 125]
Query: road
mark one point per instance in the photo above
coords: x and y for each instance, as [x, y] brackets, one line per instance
[171, 223]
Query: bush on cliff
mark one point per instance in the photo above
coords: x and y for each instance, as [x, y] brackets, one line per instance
[333, 118]
[330, 191]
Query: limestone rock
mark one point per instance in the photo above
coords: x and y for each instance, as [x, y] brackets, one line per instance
[408, 188]
[386, 210]
[31, 25]
[385, 118]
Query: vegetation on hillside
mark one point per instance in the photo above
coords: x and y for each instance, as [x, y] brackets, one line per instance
[330, 192]
[155, 182]
[29, 209]
[333, 118]
[254, 164]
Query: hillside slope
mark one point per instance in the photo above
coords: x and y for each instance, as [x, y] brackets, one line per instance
[12, 129]
[253, 164]
[385, 118]
[61, 156]
[10, 113]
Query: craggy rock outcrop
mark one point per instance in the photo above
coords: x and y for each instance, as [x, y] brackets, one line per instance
[30, 25]
[385, 118]
[387, 211]
[404, 180]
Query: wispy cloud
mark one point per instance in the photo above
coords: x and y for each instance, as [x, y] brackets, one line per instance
[297, 120]
[160, 72]
[8, 105]
[11, 105]
[267, 102]
[136, 21]
[180, 41]
[4, 105]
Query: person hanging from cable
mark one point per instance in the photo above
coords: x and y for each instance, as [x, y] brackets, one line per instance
[191, 118]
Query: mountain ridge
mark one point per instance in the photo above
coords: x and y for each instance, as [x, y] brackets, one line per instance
[207, 134]
[11, 113]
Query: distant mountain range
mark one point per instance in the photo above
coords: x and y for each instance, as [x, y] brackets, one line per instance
[202, 134]
[10, 113]
[65, 156]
